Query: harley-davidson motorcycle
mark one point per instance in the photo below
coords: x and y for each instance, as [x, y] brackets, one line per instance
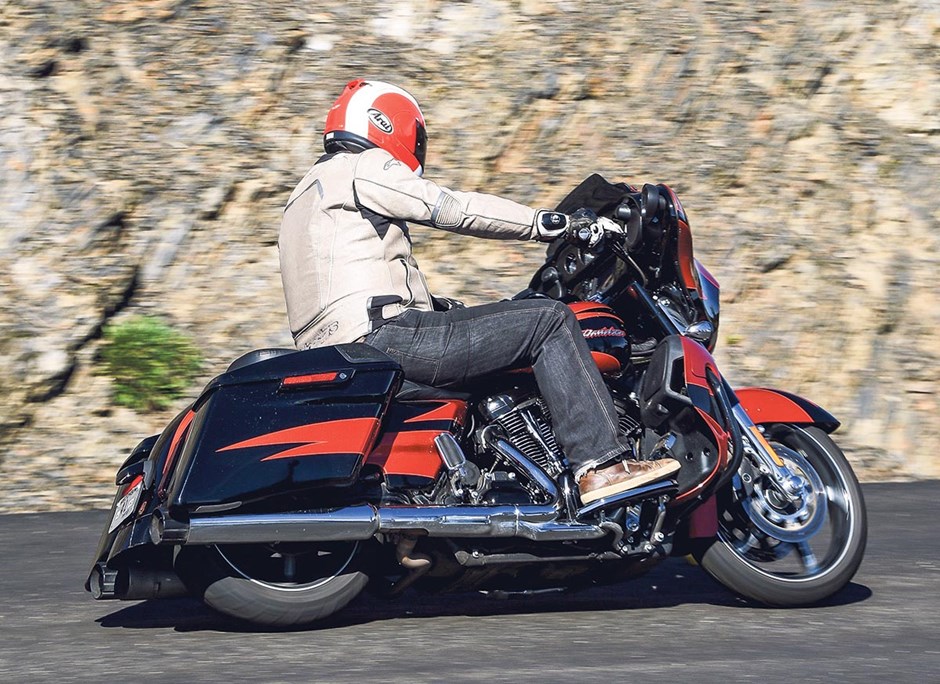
[297, 478]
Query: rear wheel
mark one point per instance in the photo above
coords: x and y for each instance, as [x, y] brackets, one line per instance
[786, 553]
[275, 585]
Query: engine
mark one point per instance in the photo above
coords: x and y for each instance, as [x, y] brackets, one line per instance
[520, 417]
[527, 423]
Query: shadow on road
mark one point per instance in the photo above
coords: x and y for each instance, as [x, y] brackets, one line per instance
[671, 584]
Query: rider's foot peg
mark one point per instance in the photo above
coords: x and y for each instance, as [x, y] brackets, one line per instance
[628, 498]
[604, 483]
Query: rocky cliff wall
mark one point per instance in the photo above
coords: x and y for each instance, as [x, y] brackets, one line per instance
[147, 148]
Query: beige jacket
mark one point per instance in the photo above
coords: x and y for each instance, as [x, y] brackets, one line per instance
[345, 251]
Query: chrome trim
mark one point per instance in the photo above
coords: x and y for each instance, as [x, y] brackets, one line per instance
[703, 331]
[780, 476]
[450, 451]
[536, 522]
[102, 581]
[535, 433]
[344, 524]
[532, 471]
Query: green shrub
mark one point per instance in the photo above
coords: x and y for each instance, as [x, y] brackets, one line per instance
[150, 363]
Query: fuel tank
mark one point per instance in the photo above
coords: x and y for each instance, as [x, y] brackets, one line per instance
[605, 334]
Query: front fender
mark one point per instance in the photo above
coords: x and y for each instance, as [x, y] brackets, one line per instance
[765, 405]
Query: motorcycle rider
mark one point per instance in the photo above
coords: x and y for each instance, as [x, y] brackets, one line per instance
[349, 276]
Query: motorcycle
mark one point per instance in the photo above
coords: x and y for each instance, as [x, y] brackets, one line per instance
[297, 478]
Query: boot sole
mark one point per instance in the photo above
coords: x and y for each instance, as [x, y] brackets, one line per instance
[632, 483]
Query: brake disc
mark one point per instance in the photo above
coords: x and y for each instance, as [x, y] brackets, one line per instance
[795, 520]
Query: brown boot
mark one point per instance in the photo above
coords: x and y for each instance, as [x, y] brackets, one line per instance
[627, 474]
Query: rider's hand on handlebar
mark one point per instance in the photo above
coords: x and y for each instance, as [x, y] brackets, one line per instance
[582, 226]
[587, 227]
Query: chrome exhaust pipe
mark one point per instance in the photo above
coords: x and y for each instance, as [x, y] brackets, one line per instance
[538, 523]
[344, 524]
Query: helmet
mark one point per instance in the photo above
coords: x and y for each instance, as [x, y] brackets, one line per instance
[375, 114]
[605, 334]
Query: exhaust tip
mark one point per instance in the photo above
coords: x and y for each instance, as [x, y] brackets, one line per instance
[101, 582]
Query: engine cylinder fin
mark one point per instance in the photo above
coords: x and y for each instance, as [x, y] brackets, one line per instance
[528, 430]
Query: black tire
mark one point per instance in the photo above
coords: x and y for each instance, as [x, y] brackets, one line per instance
[245, 582]
[799, 571]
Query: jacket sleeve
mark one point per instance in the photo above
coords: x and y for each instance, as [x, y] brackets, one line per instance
[386, 186]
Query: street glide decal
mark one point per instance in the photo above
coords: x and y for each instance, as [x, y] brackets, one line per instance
[346, 436]
[609, 331]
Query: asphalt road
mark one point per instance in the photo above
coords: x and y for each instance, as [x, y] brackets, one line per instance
[674, 624]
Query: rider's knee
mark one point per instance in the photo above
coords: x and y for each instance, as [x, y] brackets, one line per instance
[556, 314]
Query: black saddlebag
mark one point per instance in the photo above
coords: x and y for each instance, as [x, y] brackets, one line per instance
[289, 421]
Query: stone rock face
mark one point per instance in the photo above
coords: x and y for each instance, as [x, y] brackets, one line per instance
[147, 148]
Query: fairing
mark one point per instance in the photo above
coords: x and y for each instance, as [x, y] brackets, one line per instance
[709, 293]
[675, 392]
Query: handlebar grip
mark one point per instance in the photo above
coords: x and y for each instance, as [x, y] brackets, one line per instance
[631, 216]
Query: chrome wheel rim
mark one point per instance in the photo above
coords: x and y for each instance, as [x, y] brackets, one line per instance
[817, 531]
[289, 567]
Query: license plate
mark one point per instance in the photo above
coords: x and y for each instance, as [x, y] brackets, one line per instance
[126, 506]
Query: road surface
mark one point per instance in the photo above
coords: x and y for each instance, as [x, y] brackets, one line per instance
[673, 625]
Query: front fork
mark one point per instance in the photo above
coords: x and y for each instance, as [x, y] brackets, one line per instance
[787, 483]
[748, 440]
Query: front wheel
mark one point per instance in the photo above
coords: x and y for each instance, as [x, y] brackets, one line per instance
[785, 553]
[275, 586]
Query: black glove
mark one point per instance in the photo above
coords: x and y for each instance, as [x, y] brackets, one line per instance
[582, 226]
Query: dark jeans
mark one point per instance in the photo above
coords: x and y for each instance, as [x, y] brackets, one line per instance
[452, 348]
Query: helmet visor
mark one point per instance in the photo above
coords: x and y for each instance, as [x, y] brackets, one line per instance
[421, 143]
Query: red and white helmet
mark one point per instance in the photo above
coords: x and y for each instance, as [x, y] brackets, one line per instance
[376, 114]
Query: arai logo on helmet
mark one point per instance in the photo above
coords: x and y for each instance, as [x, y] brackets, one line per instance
[380, 121]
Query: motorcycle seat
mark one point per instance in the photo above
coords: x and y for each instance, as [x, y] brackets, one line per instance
[258, 355]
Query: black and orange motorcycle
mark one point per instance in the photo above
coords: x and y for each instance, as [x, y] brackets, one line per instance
[297, 478]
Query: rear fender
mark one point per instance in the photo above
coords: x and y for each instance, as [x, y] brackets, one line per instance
[765, 405]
